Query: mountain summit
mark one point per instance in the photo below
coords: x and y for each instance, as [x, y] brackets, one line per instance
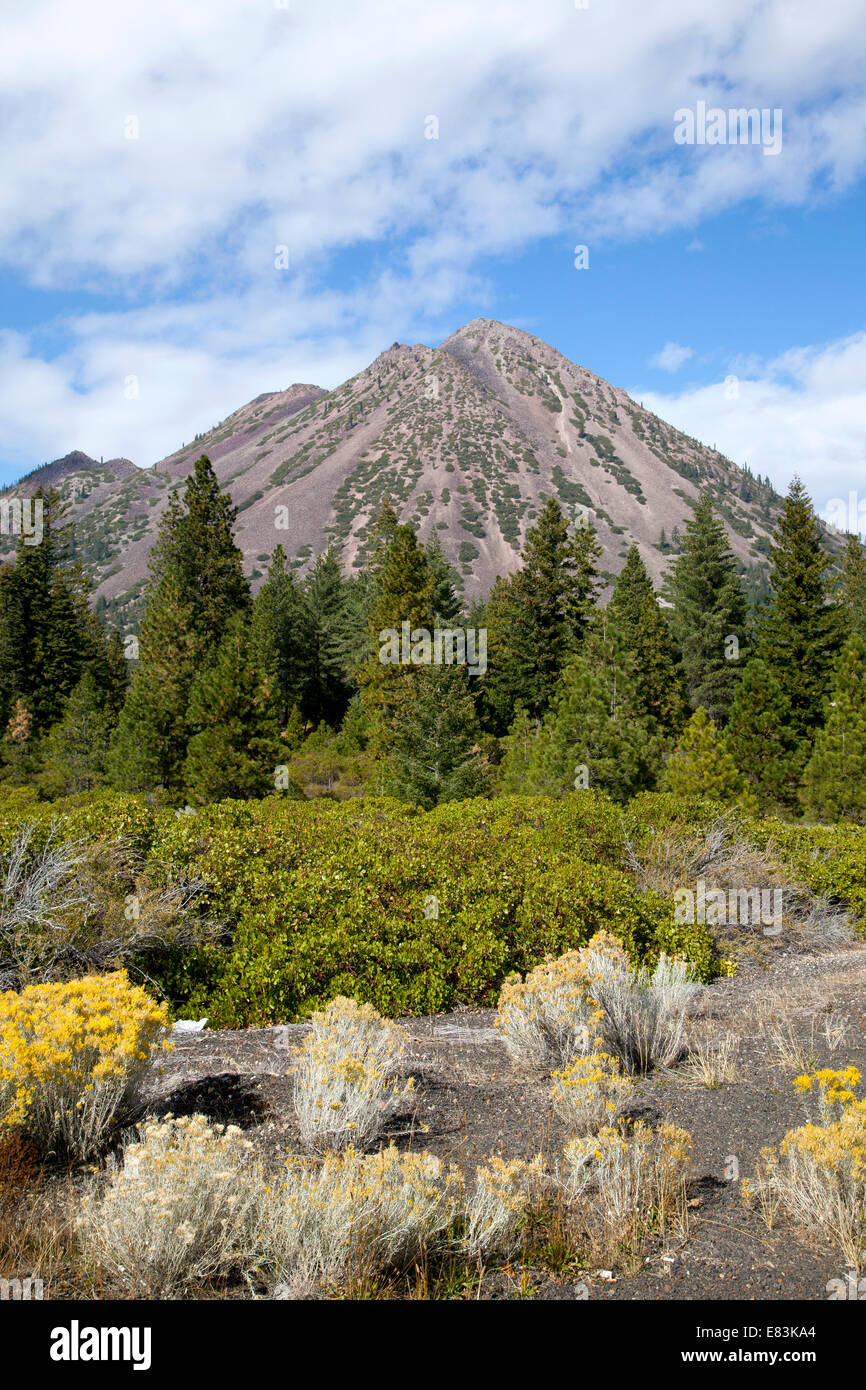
[467, 439]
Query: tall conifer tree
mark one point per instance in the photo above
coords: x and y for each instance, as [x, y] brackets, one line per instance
[798, 629]
[709, 613]
[634, 612]
[834, 783]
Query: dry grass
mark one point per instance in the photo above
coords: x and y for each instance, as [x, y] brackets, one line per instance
[713, 1061]
[36, 1224]
[677, 856]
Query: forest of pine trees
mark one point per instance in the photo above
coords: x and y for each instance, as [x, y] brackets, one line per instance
[226, 694]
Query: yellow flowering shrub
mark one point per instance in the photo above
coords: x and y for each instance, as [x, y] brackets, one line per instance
[551, 1016]
[818, 1173]
[636, 1013]
[355, 1216]
[622, 1184]
[180, 1209]
[589, 1092]
[71, 1056]
[345, 1089]
[502, 1192]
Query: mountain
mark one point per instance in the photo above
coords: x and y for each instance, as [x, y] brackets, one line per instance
[468, 438]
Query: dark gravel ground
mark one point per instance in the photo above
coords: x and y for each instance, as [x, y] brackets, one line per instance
[471, 1102]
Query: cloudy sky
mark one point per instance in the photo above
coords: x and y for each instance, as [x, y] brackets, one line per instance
[213, 198]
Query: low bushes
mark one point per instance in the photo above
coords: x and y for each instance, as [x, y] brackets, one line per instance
[595, 996]
[412, 913]
[551, 1016]
[344, 1091]
[189, 1206]
[355, 1217]
[71, 1057]
[817, 1175]
[588, 1093]
[621, 1185]
[829, 859]
[72, 906]
[180, 1209]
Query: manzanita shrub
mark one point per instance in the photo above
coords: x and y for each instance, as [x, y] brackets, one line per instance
[407, 911]
[413, 912]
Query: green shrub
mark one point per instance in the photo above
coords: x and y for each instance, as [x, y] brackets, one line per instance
[828, 859]
[409, 912]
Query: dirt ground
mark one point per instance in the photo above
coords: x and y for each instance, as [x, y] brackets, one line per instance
[471, 1102]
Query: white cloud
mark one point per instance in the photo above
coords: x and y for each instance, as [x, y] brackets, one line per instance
[671, 357]
[803, 412]
[305, 125]
[261, 126]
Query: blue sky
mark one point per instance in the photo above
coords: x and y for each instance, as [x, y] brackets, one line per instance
[153, 164]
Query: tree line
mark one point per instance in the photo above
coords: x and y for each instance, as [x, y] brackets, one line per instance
[225, 694]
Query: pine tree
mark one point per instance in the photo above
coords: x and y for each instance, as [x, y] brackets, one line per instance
[48, 635]
[196, 590]
[403, 595]
[701, 765]
[834, 783]
[798, 630]
[709, 610]
[329, 602]
[76, 748]
[758, 737]
[19, 750]
[445, 602]
[433, 751]
[595, 733]
[235, 749]
[148, 747]
[634, 612]
[283, 636]
[196, 546]
[537, 619]
[851, 590]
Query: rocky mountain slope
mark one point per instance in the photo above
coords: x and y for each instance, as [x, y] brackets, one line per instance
[468, 439]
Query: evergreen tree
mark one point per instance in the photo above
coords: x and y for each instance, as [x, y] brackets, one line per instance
[701, 765]
[709, 610]
[235, 749]
[333, 642]
[537, 619]
[18, 748]
[76, 748]
[445, 602]
[403, 595]
[433, 753]
[798, 630]
[595, 733]
[758, 736]
[834, 783]
[148, 747]
[196, 589]
[283, 636]
[851, 590]
[48, 635]
[196, 547]
[634, 611]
